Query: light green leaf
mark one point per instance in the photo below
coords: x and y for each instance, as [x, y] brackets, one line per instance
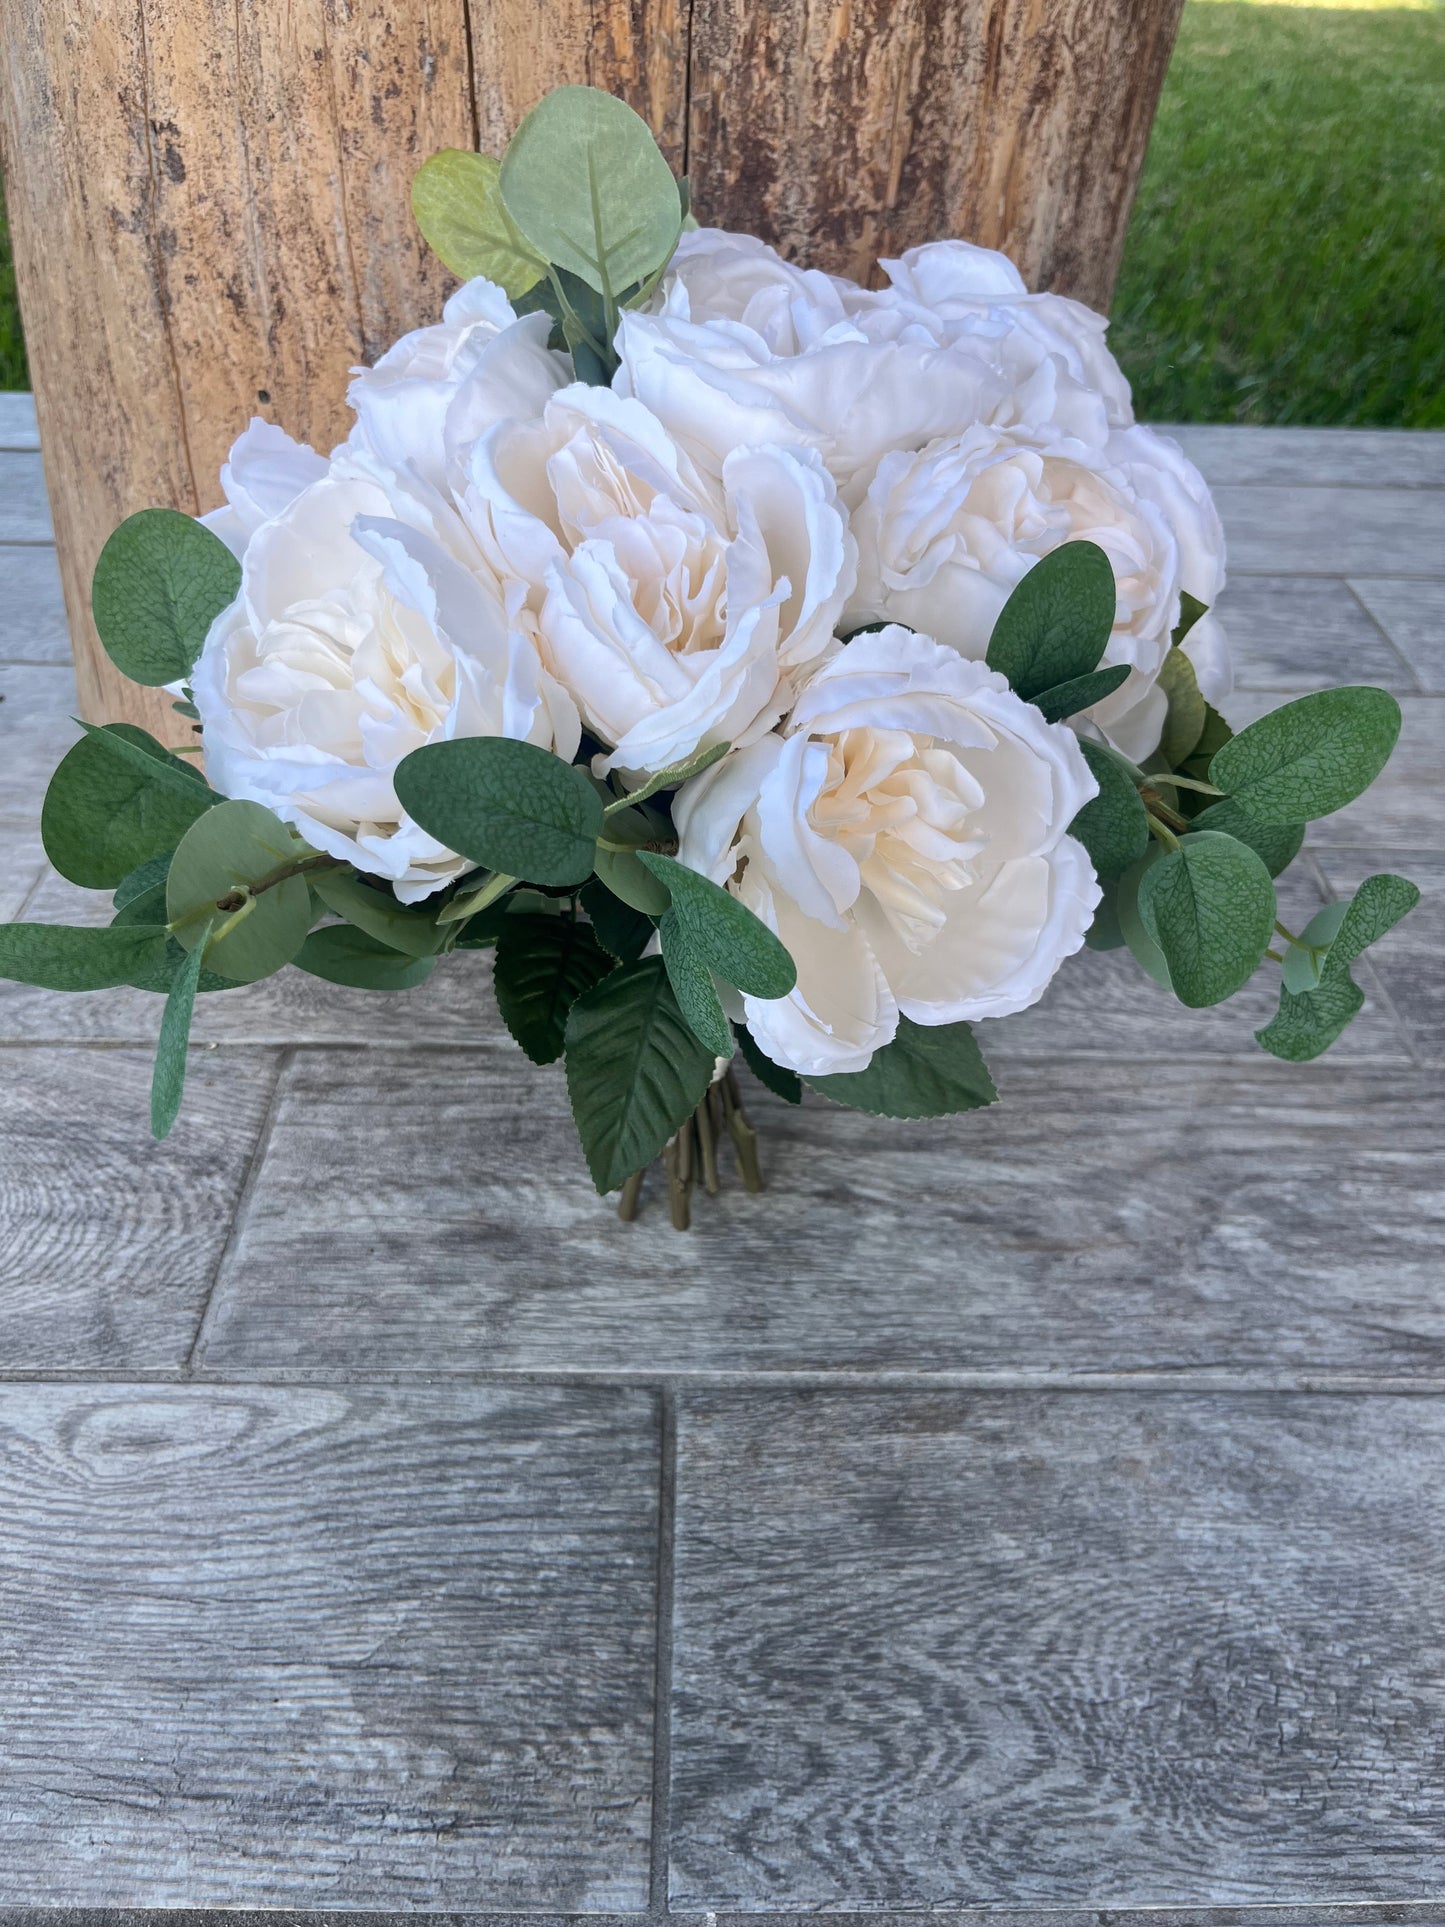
[1276, 844]
[1114, 826]
[160, 582]
[625, 877]
[58, 957]
[585, 182]
[1066, 699]
[927, 1071]
[342, 954]
[220, 858]
[1209, 905]
[782, 1083]
[168, 1080]
[399, 926]
[456, 197]
[116, 801]
[1311, 757]
[721, 932]
[1303, 961]
[1184, 723]
[1056, 624]
[504, 805]
[544, 964]
[673, 776]
[635, 1072]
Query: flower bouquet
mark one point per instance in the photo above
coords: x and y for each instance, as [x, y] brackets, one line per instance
[754, 661]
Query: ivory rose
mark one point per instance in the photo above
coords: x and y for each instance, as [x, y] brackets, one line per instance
[906, 836]
[680, 609]
[355, 639]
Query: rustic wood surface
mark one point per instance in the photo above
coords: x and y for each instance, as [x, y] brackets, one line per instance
[208, 205]
[1099, 1578]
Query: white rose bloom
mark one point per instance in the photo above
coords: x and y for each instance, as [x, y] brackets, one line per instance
[946, 534]
[679, 609]
[717, 276]
[356, 639]
[265, 472]
[906, 837]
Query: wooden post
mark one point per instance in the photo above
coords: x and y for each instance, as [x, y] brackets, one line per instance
[209, 198]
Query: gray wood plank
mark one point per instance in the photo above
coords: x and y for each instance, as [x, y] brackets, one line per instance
[32, 610]
[24, 505]
[1365, 1914]
[1125, 1651]
[22, 863]
[17, 421]
[1412, 615]
[1299, 530]
[109, 1241]
[329, 1648]
[37, 705]
[1347, 457]
[1408, 964]
[1246, 1219]
[1306, 632]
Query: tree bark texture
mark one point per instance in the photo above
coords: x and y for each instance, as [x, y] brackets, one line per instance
[210, 210]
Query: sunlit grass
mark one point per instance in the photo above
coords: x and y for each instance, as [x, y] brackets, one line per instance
[1286, 259]
[13, 373]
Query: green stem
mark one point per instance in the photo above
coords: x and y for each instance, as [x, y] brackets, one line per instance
[1162, 832]
[1185, 783]
[1290, 937]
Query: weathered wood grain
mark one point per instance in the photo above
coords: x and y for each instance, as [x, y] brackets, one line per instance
[109, 1241]
[37, 705]
[338, 1648]
[24, 511]
[33, 627]
[1408, 965]
[1341, 457]
[1307, 632]
[1412, 615]
[1126, 1651]
[1260, 1219]
[1297, 529]
[1367, 1914]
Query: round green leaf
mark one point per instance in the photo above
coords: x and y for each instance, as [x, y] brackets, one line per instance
[543, 966]
[1114, 826]
[160, 582]
[106, 812]
[1311, 757]
[927, 1071]
[1209, 905]
[585, 182]
[231, 848]
[505, 805]
[1275, 844]
[343, 955]
[720, 932]
[1056, 624]
[1142, 947]
[456, 197]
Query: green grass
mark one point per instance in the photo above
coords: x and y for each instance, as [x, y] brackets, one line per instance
[1286, 258]
[13, 372]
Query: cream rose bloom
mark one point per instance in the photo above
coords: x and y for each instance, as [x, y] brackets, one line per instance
[679, 608]
[264, 473]
[355, 640]
[906, 836]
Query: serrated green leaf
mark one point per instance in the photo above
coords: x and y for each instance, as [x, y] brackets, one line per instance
[927, 1071]
[622, 931]
[635, 1072]
[1275, 844]
[60, 957]
[1187, 713]
[721, 931]
[504, 805]
[585, 182]
[544, 964]
[160, 582]
[115, 802]
[1114, 826]
[672, 777]
[1056, 624]
[1311, 757]
[1209, 906]
[168, 1080]
[782, 1083]
[400, 926]
[456, 197]
[342, 954]
[224, 853]
[1066, 699]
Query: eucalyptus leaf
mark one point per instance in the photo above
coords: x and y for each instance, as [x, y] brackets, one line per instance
[720, 931]
[622, 931]
[585, 182]
[1303, 961]
[673, 776]
[342, 954]
[1276, 844]
[1185, 719]
[116, 801]
[1142, 947]
[1209, 906]
[145, 877]
[1312, 1016]
[168, 1080]
[1114, 826]
[413, 931]
[624, 875]
[61, 957]
[222, 857]
[781, 1082]
[1066, 699]
[160, 582]
[1305, 1026]
[1105, 932]
[456, 197]
[158, 975]
[544, 964]
[504, 805]
[927, 1071]
[1310, 757]
[635, 1071]
[1055, 626]
[695, 988]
